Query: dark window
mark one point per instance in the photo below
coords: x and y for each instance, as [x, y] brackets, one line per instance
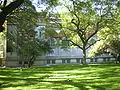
[91, 60]
[108, 59]
[48, 61]
[68, 61]
[78, 60]
[81, 60]
[104, 59]
[63, 61]
[96, 59]
[53, 61]
[25, 62]
[20, 62]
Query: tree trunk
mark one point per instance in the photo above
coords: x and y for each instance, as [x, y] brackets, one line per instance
[32, 59]
[84, 56]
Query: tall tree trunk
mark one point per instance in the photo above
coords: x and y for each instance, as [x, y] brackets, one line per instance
[84, 56]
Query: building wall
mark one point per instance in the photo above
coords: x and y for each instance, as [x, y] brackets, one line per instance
[13, 61]
[71, 52]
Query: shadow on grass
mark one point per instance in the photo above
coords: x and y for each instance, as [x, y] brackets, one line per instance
[35, 76]
[15, 82]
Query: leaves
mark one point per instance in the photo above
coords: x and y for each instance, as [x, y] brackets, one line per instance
[110, 37]
[22, 34]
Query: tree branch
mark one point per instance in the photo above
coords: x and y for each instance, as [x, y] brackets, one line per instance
[81, 37]
[72, 21]
[75, 44]
[5, 2]
[97, 28]
[91, 44]
[7, 10]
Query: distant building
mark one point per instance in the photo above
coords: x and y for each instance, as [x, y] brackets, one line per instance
[60, 55]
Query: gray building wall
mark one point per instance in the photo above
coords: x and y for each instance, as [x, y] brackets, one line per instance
[13, 60]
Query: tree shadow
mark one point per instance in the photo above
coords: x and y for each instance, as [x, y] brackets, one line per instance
[12, 77]
[27, 81]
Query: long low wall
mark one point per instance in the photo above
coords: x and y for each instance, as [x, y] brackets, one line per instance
[13, 61]
[77, 60]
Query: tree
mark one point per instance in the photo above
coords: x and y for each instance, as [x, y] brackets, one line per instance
[82, 21]
[8, 9]
[29, 50]
[109, 43]
[20, 24]
[23, 37]
[109, 37]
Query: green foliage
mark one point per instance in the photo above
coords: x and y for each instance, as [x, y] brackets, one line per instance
[110, 41]
[23, 34]
[2, 40]
[53, 2]
[29, 50]
[109, 36]
[21, 25]
[82, 21]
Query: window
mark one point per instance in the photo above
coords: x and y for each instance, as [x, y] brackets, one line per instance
[104, 59]
[108, 59]
[20, 62]
[96, 59]
[81, 60]
[48, 61]
[91, 60]
[78, 60]
[63, 61]
[25, 62]
[53, 61]
[68, 61]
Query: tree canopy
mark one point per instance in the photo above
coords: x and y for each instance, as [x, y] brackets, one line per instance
[109, 37]
[21, 33]
[82, 20]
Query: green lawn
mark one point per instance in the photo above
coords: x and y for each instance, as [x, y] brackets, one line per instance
[62, 77]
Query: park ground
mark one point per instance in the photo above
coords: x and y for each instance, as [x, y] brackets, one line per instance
[62, 77]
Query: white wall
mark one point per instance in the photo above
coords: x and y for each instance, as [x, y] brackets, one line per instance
[73, 52]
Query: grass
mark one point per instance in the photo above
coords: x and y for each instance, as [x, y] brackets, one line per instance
[62, 77]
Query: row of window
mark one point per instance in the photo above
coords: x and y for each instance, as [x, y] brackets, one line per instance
[53, 61]
[77, 60]
[96, 59]
[23, 62]
[67, 61]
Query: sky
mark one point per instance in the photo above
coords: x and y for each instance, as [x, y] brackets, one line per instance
[38, 7]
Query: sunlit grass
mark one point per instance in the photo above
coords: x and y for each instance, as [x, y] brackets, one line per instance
[62, 77]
